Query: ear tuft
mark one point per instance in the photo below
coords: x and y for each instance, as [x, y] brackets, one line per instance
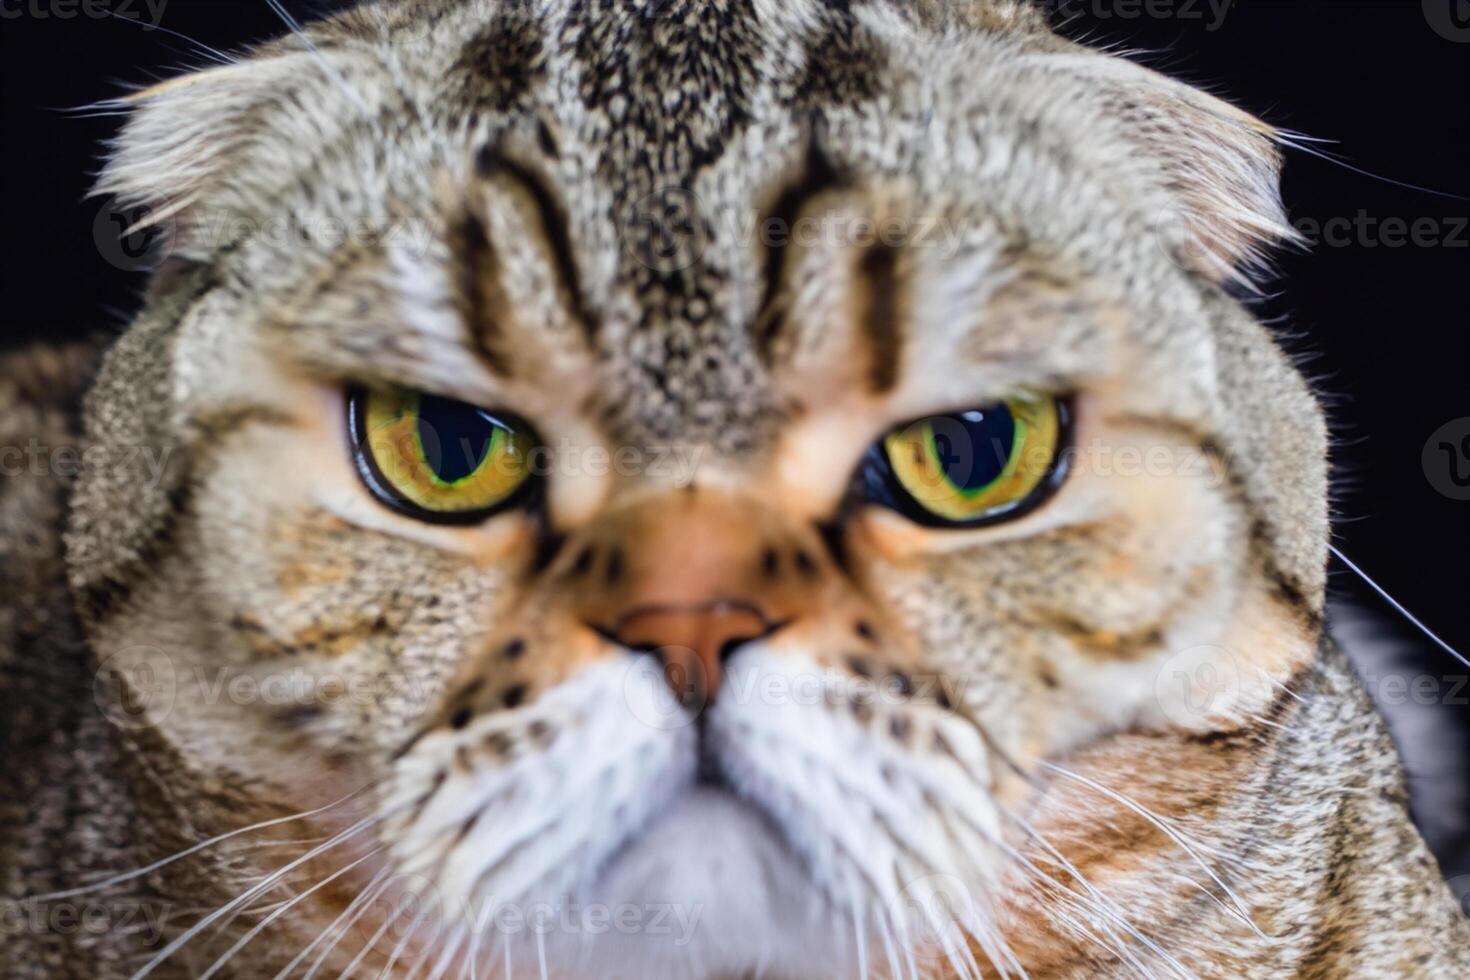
[1217, 167]
[181, 144]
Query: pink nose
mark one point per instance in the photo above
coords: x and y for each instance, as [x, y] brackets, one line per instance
[693, 641]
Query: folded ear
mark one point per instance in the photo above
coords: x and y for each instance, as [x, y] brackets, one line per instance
[184, 141]
[1216, 167]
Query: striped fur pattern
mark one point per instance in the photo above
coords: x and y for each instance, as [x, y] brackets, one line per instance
[1107, 739]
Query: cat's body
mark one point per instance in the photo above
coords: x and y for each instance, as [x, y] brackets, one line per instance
[1116, 740]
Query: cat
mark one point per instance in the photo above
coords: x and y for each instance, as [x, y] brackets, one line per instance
[695, 488]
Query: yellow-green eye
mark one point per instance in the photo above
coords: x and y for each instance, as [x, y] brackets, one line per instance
[437, 459]
[974, 467]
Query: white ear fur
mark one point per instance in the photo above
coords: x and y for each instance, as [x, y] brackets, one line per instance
[182, 141]
[1219, 166]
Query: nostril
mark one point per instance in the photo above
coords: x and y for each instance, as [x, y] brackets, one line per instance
[692, 641]
[732, 645]
[582, 564]
[613, 573]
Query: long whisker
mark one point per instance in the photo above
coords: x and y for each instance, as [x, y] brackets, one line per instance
[327, 66]
[541, 955]
[1297, 141]
[288, 906]
[1094, 906]
[1078, 918]
[859, 932]
[140, 872]
[1091, 920]
[1239, 911]
[1000, 954]
[450, 951]
[399, 947]
[996, 950]
[1398, 606]
[1099, 906]
[338, 927]
[388, 923]
[255, 890]
[890, 950]
[217, 54]
[1097, 903]
[472, 964]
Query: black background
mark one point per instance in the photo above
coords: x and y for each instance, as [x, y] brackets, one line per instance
[1385, 328]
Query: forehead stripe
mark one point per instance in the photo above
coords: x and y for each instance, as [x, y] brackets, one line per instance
[879, 318]
[479, 295]
[818, 177]
[555, 227]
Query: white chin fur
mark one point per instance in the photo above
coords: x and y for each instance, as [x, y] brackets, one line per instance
[705, 891]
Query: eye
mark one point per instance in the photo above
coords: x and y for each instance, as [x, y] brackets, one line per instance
[439, 460]
[972, 468]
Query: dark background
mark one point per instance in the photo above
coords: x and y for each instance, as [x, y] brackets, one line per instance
[1385, 327]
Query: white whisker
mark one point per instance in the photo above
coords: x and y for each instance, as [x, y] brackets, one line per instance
[140, 872]
[265, 923]
[338, 927]
[399, 947]
[1239, 911]
[269, 880]
[541, 954]
[215, 53]
[1098, 904]
[450, 951]
[859, 929]
[367, 947]
[327, 66]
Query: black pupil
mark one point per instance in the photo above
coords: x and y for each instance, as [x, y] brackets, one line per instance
[974, 447]
[455, 437]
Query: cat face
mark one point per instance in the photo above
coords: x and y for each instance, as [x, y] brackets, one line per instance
[676, 614]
